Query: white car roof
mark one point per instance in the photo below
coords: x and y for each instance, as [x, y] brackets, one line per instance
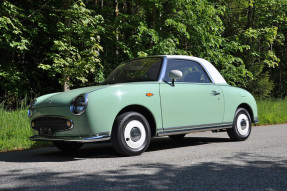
[212, 71]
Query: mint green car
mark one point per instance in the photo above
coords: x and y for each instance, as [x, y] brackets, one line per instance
[144, 98]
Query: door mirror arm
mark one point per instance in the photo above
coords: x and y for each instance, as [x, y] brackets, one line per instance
[174, 74]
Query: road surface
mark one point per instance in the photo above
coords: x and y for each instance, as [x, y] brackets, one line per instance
[201, 161]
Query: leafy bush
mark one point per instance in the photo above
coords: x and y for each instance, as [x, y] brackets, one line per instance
[15, 130]
[272, 111]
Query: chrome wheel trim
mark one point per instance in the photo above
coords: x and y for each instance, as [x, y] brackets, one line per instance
[127, 134]
[243, 129]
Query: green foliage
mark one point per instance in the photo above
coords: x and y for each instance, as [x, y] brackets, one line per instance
[75, 52]
[12, 29]
[34, 37]
[47, 44]
[15, 130]
[185, 27]
[15, 41]
[272, 111]
[257, 24]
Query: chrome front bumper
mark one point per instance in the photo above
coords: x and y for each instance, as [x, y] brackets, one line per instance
[104, 136]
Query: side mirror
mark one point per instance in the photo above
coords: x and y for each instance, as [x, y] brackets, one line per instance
[174, 74]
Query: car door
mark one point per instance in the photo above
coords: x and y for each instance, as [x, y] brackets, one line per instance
[194, 101]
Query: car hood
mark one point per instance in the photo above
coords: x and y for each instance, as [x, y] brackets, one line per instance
[64, 98]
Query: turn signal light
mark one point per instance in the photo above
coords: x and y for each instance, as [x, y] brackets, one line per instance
[149, 94]
[69, 123]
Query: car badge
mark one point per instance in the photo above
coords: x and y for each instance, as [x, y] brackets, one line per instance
[50, 101]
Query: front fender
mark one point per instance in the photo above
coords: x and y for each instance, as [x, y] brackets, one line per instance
[105, 104]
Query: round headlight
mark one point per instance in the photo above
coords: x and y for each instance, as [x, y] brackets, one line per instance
[79, 104]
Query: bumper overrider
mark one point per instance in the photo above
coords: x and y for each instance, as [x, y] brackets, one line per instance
[256, 120]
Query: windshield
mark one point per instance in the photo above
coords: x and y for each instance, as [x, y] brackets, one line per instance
[139, 70]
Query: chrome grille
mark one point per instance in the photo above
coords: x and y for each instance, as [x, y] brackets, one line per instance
[51, 123]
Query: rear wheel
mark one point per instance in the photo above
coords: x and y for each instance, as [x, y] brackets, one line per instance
[67, 146]
[131, 134]
[241, 128]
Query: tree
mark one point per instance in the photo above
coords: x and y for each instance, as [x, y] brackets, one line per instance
[188, 27]
[17, 66]
[257, 24]
[75, 51]
[48, 44]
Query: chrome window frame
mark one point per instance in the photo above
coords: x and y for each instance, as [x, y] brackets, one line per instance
[164, 66]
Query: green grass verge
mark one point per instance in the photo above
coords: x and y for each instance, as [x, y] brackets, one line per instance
[15, 131]
[272, 112]
[15, 128]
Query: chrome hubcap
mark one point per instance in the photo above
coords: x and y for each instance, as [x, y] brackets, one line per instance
[135, 134]
[243, 124]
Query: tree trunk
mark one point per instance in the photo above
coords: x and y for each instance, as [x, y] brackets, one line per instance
[116, 13]
[67, 23]
[250, 15]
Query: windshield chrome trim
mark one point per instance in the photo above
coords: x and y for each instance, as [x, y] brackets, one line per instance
[163, 69]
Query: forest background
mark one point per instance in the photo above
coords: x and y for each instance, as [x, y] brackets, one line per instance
[56, 45]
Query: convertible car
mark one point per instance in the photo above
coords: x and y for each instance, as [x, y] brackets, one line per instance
[144, 98]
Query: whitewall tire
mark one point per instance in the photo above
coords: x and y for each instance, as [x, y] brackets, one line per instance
[131, 134]
[242, 124]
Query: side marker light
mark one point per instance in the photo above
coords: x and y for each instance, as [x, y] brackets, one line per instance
[149, 94]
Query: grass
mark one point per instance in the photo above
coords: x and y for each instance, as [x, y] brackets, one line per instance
[272, 111]
[15, 131]
[15, 128]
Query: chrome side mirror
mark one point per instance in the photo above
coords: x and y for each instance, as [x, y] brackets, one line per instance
[174, 74]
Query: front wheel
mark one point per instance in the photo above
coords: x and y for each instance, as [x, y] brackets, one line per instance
[241, 128]
[131, 134]
[67, 146]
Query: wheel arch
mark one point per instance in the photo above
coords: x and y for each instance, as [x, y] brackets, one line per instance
[248, 108]
[145, 112]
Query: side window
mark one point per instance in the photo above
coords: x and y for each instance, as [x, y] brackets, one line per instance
[191, 71]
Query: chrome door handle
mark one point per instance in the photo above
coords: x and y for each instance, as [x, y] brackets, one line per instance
[214, 93]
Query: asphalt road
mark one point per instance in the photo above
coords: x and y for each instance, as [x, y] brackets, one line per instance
[201, 161]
